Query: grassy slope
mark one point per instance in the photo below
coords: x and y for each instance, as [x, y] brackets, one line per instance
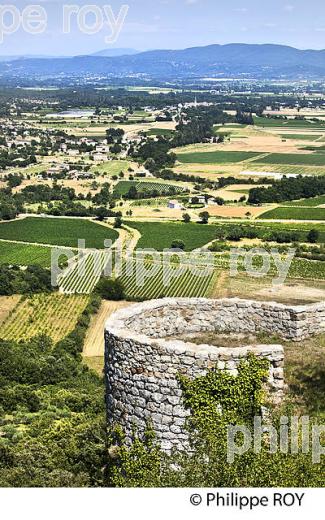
[294, 213]
[215, 157]
[309, 203]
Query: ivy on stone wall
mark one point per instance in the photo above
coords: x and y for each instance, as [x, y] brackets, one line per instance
[219, 397]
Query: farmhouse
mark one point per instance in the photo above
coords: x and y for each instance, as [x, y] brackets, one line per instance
[100, 157]
[174, 204]
[200, 199]
[73, 153]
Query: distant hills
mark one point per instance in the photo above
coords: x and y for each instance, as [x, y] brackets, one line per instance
[232, 60]
[112, 53]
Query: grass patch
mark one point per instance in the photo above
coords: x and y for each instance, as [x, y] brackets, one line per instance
[160, 131]
[295, 213]
[310, 203]
[215, 157]
[111, 167]
[305, 374]
[293, 158]
[289, 123]
[301, 137]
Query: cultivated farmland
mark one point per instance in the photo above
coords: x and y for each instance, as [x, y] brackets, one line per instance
[52, 314]
[24, 254]
[312, 159]
[85, 273]
[295, 213]
[160, 235]
[289, 123]
[218, 157]
[57, 231]
[166, 281]
[123, 187]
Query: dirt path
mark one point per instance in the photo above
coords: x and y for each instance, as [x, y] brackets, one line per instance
[94, 343]
[133, 237]
[35, 244]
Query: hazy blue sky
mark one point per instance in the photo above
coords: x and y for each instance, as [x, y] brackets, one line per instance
[154, 24]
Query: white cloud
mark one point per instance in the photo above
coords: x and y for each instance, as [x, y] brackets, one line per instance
[289, 8]
[240, 10]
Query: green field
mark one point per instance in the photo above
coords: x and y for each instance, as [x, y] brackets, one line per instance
[293, 158]
[57, 231]
[160, 235]
[287, 168]
[294, 213]
[123, 187]
[22, 254]
[111, 167]
[289, 123]
[301, 137]
[309, 203]
[215, 157]
[160, 131]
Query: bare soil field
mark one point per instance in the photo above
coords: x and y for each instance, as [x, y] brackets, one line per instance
[156, 212]
[7, 305]
[234, 211]
[296, 292]
[235, 191]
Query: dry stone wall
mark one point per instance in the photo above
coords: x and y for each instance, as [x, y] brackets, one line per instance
[142, 361]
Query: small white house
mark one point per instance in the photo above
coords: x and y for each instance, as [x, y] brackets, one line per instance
[73, 153]
[174, 204]
[102, 149]
[100, 157]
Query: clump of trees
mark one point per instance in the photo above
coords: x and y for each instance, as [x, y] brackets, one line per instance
[52, 413]
[110, 289]
[235, 233]
[10, 205]
[288, 189]
[34, 279]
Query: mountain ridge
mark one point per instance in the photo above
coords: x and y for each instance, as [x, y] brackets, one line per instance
[236, 59]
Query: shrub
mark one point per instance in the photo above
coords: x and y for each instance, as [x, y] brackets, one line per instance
[204, 216]
[313, 236]
[110, 289]
[178, 244]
